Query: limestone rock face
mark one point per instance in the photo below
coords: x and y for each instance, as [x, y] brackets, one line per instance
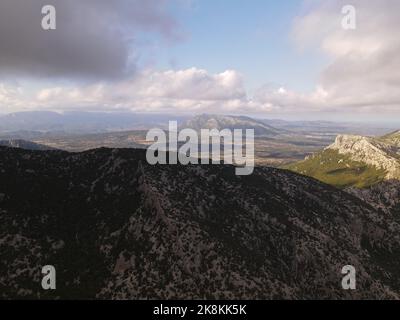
[371, 152]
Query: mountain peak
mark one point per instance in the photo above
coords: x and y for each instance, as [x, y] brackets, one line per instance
[220, 122]
[354, 161]
[347, 143]
[369, 151]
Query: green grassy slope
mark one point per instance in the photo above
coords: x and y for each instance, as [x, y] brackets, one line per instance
[338, 170]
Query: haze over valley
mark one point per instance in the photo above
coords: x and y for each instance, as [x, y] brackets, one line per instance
[278, 142]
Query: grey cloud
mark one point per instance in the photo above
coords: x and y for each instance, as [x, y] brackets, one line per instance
[94, 38]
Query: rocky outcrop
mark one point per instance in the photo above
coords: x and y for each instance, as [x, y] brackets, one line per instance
[369, 151]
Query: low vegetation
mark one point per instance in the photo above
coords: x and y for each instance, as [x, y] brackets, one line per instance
[338, 170]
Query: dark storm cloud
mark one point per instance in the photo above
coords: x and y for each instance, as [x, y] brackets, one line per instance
[94, 38]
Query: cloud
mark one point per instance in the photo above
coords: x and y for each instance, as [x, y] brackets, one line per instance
[364, 72]
[94, 38]
[191, 84]
[281, 100]
[173, 90]
[11, 98]
[362, 76]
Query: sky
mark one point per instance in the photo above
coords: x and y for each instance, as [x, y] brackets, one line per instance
[267, 58]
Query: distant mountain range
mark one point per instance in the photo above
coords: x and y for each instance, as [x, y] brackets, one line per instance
[274, 146]
[38, 124]
[221, 122]
[331, 128]
[79, 122]
[23, 144]
[115, 227]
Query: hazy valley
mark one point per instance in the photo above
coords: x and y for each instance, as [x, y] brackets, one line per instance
[138, 231]
[277, 142]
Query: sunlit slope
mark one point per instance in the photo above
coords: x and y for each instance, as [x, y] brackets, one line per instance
[354, 161]
[333, 168]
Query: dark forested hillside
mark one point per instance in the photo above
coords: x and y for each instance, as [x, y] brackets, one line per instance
[115, 227]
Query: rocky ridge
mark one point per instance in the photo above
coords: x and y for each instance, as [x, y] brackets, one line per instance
[373, 152]
[221, 122]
